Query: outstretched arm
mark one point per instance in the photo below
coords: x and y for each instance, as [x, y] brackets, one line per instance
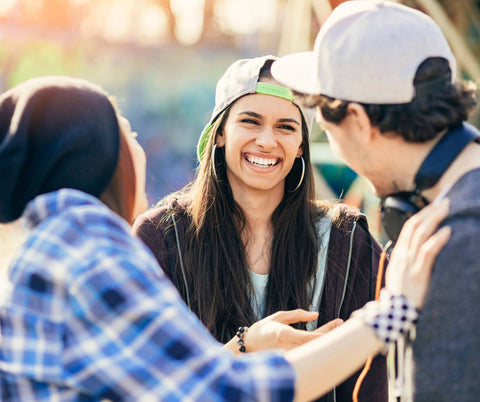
[327, 361]
[275, 332]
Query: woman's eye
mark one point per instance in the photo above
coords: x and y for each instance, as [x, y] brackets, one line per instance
[250, 121]
[287, 127]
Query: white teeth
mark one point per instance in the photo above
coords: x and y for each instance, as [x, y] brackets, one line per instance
[261, 161]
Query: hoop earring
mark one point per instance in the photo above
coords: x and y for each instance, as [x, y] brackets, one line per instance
[215, 175]
[301, 177]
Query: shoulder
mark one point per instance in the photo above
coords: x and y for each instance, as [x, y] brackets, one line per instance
[342, 216]
[99, 233]
[159, 217]
[350, 233]
[464, 197]
[464, 218]
[461, 251]
[71, 244]
[155, 226]
[76, 221]
[109, 252]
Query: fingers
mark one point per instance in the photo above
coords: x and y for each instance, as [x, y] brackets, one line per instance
[288, 337]
[419, 279]
[294, 316]
[428, 222]
[298, 336]
[291, 337]
[419, 228]
[430, 250]
[329, 326]
[423, 224]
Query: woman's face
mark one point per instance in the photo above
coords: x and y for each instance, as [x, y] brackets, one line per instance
[262, 137]
[140, 165]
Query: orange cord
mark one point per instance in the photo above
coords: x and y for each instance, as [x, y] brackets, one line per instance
[381, 271]
[363, 374]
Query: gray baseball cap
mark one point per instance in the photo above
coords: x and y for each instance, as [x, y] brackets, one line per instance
[240, 79]
[367, 51]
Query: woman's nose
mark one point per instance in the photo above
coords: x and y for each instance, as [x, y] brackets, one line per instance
[266, 138]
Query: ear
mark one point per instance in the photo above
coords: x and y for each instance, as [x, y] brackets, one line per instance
[360, 121]
[300, 151]
[220, 140]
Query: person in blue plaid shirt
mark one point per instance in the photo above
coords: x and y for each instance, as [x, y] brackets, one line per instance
[90, 315]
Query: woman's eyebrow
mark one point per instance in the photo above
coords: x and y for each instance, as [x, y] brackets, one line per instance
[253, 114]
[288, 120]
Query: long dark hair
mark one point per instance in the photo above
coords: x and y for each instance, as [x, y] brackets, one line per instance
[214, 254]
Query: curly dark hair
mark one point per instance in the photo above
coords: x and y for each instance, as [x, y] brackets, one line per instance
[428, 114]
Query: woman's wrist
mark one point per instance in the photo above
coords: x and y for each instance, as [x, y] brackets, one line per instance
[233, 344]
[241, 333]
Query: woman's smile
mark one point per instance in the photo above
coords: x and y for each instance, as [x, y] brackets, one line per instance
[263, 163]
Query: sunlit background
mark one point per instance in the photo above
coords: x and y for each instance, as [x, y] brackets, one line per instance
[162, 58]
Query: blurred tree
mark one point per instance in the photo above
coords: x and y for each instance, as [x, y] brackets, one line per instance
[47, 13]
[166, 7]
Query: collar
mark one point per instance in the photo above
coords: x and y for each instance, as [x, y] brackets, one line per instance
[51, 204]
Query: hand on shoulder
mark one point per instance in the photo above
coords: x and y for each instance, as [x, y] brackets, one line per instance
[419, 243]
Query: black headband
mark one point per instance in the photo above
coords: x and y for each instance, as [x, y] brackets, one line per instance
[55, 132]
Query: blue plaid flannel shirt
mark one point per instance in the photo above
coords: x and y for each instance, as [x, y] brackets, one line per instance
[90, 316]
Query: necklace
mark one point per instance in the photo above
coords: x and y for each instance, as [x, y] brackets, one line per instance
[252, 264]
[265, 252]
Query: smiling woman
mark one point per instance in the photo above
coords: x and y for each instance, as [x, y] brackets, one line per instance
[262, 139]
[247, 238]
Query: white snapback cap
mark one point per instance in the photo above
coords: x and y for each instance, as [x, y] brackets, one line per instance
[367, 51]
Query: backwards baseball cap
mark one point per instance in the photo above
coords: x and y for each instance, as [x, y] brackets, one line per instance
[240, 79]
[368, 52]
[55, 132]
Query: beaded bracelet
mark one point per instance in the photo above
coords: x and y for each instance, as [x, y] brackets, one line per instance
[240, 334]
[389, 316]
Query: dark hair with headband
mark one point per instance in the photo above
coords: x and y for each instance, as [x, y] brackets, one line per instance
[61, 132]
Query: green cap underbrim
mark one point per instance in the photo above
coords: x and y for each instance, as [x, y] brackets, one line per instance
[274, 90]
[202, 142]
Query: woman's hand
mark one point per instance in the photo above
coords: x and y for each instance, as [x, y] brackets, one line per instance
[274, 331]
[410, 266]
